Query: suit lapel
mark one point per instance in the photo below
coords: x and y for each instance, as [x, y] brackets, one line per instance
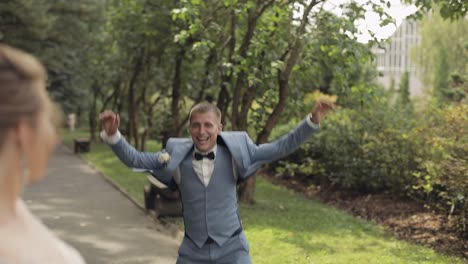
[179, 152]
[237, 152]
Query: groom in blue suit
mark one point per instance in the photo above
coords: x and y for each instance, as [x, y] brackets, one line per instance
[206, 169]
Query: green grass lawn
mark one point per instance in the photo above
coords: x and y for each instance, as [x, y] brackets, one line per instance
[284, 227]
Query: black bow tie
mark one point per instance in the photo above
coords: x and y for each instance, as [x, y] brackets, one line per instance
[199, 156]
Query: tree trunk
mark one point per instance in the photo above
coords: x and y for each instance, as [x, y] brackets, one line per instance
[142, 101]
[132, 117]
[223, 102]
[92, 122]
[149, 111]
[292, 56]
[203, 87]
[133, 108]
[108, 99]
[176, 92]
[92, 115]
[241, 76]
[246, 190]
[226, 78]
[238, 92]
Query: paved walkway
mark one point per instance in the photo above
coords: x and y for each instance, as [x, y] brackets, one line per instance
[85, 210]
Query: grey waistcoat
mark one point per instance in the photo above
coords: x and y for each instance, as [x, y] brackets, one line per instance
[210, 211]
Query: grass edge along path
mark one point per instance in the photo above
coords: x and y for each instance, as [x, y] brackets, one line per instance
[285, 227]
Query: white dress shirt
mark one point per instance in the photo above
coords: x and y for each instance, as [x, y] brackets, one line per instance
[204, 167]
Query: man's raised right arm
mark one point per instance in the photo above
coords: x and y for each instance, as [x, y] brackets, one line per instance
[124, 151]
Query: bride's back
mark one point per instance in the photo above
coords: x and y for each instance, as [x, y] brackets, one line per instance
[27, 138]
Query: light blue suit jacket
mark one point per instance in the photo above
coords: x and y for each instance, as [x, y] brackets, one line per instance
[248, 157]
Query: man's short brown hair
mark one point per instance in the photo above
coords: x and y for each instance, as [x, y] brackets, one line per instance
[205, 107]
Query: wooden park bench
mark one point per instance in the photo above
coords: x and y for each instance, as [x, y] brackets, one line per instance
[81, 145]
[161, 199]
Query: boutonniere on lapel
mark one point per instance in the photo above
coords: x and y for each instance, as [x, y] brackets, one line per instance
[164, 157]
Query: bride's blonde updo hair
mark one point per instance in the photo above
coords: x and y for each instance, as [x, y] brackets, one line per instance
[22, 89]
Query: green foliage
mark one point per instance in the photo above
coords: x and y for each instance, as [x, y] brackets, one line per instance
[442, 172]
[58, 33]
[441, 75]
[404, 92]
[458, 91]
[448, 9]
[121, 53]
[334, 62]
[442, 52]
[381, 147]
[368, 149]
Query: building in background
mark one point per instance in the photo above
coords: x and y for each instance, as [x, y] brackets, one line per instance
[395, 58]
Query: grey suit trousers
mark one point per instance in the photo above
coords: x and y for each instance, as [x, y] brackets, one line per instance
[234, 251]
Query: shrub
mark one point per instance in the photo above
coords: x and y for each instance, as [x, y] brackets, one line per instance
[442, 176]
[380, 148]
[367, 149]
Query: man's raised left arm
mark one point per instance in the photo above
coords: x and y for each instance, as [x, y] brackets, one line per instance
[288, 143]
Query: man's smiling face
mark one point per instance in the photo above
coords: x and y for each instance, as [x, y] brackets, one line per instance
[204, 129]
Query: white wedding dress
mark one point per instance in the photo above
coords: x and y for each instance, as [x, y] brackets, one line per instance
[26, 240]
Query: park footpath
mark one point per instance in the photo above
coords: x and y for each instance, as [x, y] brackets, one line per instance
[87, 211]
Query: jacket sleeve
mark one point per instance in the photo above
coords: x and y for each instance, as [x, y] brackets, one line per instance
[134, 158]
[268, 152]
